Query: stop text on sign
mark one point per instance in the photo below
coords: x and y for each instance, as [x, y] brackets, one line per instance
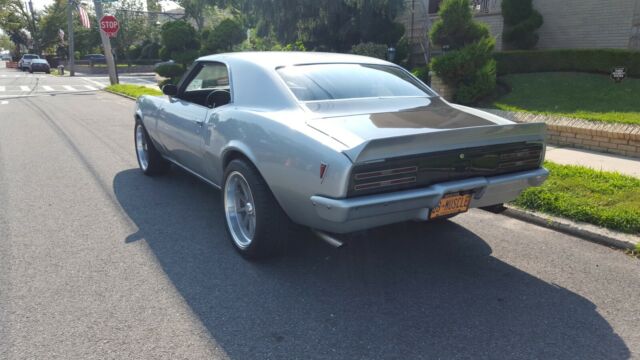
[109, 24]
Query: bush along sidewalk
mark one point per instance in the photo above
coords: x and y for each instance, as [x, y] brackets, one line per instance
[605, 199]
[134, 91]
[468, 65]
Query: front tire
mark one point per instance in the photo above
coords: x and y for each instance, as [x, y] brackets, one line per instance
[149, 159]
[256, 224]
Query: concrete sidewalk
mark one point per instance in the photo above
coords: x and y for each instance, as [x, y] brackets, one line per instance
[595, 160]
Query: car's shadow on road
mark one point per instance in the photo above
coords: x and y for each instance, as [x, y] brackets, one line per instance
[400, 292]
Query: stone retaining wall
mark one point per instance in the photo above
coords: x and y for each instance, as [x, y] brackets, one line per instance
[441, 88]
[620, 139]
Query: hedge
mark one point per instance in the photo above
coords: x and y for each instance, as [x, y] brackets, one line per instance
[580, 60]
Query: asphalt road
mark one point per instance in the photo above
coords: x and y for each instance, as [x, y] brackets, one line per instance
[98, 261]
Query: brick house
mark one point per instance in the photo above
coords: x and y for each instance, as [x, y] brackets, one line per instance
[567, 23]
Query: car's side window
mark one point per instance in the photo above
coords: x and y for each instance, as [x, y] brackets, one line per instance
[210, 86]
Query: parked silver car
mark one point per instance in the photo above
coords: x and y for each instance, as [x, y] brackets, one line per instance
[334, 142]
[25, 61]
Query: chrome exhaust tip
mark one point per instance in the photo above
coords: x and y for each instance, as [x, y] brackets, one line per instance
[328, 238]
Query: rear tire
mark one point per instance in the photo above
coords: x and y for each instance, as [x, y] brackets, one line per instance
[149, 159]
[255, 222]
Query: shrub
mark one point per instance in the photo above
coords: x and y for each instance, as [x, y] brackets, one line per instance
[455, 27]
[296, 46]
[223, 37]
[178, 38]
[173, 71]
[579, 60]
[370, 49]
[422, 73]
[469, 67]
[403, 51]
[521, 22]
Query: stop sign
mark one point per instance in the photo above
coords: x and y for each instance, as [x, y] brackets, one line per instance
[109, 24]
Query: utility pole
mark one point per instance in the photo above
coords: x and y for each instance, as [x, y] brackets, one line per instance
[106, 45]
[72, 60]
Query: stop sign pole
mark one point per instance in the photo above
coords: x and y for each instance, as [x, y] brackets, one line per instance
[106, 44]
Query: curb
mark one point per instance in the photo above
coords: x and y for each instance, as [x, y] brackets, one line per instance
[580, 230]
[119, 94]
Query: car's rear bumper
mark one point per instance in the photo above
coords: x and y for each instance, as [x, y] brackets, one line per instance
[352, 214]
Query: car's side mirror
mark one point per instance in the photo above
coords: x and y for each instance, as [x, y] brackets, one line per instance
[170, 90]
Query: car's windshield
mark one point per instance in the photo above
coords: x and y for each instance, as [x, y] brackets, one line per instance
[350, 81]
[29, 57]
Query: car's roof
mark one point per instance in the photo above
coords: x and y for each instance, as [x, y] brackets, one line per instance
[274, 59]
[30, 55]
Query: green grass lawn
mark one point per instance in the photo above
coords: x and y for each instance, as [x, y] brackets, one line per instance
[601, 198]
[579, 95]
[133, 90]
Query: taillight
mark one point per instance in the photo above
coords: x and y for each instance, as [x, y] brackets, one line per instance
[385, 178]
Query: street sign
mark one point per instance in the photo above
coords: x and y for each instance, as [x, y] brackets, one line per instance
[109, 24]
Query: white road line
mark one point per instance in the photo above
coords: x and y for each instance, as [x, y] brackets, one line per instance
[90, 87]
[47, 88]
[99, 85]
[2, 88]
[4, 102]
[69, 87]
[3, 75]
[24, 88]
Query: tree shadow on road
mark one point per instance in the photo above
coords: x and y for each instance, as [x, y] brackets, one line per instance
[405, 291]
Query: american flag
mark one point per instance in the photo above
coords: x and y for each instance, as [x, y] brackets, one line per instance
[84, 17]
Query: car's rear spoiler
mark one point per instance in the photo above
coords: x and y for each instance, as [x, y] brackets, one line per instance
[445, 140]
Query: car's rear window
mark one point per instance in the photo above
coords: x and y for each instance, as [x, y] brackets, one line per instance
[320, 82]
[31, 57]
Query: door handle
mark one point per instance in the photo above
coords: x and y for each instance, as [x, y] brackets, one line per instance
[200, 123]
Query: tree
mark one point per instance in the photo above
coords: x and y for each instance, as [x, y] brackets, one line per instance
[469, 66]
[334, 25]
[53, 18]
[521, 22]
[16, 22]
[179, 42]
[223, 37]
[133, 27]
[6, 43]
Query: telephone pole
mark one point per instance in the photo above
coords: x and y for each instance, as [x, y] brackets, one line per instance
[72, 62]
[106, 45]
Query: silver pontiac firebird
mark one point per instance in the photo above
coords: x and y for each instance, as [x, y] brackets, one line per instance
[334, 142]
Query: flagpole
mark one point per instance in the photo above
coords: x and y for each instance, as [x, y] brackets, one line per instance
[72, 60]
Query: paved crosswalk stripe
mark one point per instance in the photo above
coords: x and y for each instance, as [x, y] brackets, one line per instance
[24, 88]
[90, 87]
[69, 87]
[47, 88]
[2, 88]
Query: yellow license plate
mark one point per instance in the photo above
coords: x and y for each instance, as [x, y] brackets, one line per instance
[451, 204]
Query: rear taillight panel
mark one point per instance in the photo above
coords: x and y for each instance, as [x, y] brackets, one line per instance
[425, 169]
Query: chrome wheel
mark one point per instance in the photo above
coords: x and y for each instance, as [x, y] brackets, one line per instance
[142, 149]
[239, 209]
